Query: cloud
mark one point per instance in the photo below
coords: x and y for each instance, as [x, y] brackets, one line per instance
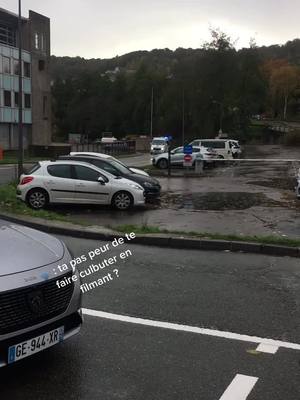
[97, 28]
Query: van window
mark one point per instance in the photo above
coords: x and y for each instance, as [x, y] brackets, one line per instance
[215, 144]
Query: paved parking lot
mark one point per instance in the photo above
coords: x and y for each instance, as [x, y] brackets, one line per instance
[118, 357]
[240, 198]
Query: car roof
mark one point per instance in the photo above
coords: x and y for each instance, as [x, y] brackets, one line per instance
[214, 140]
[76, 156]
[89, 153]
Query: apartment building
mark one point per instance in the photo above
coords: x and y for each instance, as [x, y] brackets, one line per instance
[35, 78]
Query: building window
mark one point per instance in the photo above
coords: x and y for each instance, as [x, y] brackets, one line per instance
[42, 42]
[36, 41]
[6, 65]
[27, 100]
[39, 41]
[16, 99]
[16, 67]
[7, 35]
[7, 98]
[26, 67]
[41, 65]
[45, 101]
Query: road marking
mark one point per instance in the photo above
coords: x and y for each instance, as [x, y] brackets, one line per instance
[267, 348]
[192, 329]
[239, 388]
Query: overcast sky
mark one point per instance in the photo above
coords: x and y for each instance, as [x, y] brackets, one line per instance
[104, 29]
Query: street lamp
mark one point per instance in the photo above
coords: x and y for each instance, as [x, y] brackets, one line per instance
[183, 117]
[20, 97]
[221, 114]
[151, 113]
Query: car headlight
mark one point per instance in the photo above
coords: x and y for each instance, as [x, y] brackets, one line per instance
[138, 187]
[148, 184]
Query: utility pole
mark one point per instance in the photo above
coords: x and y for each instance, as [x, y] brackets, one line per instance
[20, 96]
[151, 118]
[183, 117]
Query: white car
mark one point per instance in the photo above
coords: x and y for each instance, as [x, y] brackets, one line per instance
[107, 157]
[222, 146]
[35, 311]
[78, 183]
[177, 157]
[159, 145]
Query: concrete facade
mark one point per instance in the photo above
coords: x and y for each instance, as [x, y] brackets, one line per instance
[36, 80]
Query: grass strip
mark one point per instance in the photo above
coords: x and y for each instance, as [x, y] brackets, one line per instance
[271, 239]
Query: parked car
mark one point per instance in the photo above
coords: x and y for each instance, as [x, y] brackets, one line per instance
[222, 146]
[35, 313]
[236, 149]
[78, 183]
[103, 156]
[159, 145]
[151, 186]
[177, 157]
[298, 185]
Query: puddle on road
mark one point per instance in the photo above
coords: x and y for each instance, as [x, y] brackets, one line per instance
[283, 183]
[217, 201]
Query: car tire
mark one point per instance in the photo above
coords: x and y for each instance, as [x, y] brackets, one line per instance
[37, 199]
[162, 164]
[122, 201]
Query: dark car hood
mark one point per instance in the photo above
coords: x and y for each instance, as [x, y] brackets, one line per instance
[142, 178]
[23, 249]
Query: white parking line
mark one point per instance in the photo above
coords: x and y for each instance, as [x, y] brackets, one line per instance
[192, 329]
[267, 348]
[239, 388]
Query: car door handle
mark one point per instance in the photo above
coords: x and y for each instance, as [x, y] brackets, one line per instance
[80, 184]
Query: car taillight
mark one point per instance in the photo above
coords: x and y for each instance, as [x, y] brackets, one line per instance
[26, 180]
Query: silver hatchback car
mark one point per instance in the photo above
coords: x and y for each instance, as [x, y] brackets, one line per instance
[35, 312]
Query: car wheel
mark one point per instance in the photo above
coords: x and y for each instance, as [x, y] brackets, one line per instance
[37, 199]
[122, 201]
[162, 164]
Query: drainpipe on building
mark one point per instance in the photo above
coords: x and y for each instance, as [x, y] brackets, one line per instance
[21, 144]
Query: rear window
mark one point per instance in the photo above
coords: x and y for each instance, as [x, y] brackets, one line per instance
[60, 171]
[33, 169]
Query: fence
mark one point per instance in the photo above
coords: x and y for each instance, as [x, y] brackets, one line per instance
[115, 148]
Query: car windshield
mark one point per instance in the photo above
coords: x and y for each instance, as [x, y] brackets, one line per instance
[158, 142]
[120, 166]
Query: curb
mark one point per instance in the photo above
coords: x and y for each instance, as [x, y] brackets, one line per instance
[162, 240]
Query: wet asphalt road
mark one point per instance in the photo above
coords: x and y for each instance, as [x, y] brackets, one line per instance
[247, 294]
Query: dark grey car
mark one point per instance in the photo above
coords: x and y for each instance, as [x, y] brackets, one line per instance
[35, 313]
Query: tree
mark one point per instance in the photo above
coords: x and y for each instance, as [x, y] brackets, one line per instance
[284, 82]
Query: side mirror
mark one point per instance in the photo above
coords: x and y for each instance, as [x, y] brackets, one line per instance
[101, 180]
[172, 152]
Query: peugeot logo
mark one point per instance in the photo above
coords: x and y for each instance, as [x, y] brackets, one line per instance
[35, 301]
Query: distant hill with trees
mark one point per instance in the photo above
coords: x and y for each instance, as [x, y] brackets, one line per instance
[214, 87]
